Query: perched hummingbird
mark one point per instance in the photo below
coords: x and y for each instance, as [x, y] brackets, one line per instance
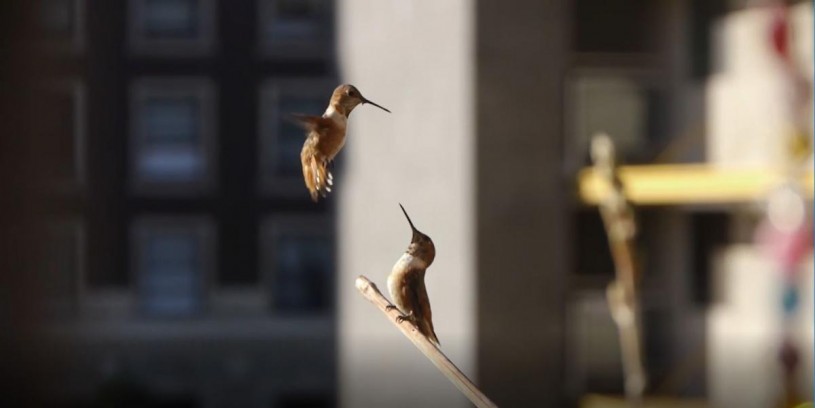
[326, 136]
[406, 282]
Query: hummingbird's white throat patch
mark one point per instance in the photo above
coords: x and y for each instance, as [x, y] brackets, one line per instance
[412, 261]
[335, 116]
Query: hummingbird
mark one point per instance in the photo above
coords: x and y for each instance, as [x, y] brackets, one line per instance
[326, 137]
[406, 282]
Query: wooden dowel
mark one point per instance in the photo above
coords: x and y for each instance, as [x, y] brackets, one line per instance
[371, 292]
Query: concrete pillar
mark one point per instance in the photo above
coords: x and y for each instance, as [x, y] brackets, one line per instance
[415, 58]
[521, 200]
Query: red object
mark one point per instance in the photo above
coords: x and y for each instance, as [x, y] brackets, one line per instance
[787, 248]
[780, 33]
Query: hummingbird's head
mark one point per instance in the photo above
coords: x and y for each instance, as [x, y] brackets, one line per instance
[421, 246]
[347, 97]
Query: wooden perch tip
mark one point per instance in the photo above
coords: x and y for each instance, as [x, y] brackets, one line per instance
[363, 284]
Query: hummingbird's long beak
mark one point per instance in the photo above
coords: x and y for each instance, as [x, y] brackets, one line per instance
[415, 231]
[378, 106]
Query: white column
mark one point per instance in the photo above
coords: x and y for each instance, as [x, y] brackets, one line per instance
[745, 327]
[415, 58]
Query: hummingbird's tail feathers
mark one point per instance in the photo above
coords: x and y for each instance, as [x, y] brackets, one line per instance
[317, 178]
[426, 328]
[308, 122]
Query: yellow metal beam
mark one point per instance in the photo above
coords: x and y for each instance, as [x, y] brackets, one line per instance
[604, 401]
[677, 184]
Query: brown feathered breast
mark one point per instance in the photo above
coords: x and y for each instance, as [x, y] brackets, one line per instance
[409, 293]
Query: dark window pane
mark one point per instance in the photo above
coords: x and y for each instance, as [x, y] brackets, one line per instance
[709, 234]
[172, 120]
[291, 136]
[171, 18]
[171, 269]
[658, 334]
[301, 280]
[297, 9]
[592, 255]
[632, 111]
[294, 20]
[615, 105]
[183, 164]
[170, 147]
[57, 17]
[615, 26]
[702, 15]
[657, 134]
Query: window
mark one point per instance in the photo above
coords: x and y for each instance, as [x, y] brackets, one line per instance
[172, 136]
[63, 268]
[701, 16]
[281, 140]
[58, 17]
[295, 28]
[298, 265]
[62, 22]
[592, 345]
[626, 106]
[615, 26]
[171, 27]
[173, 258]
[63, 134]
[591, 254]
[172, 19]
[709, 234]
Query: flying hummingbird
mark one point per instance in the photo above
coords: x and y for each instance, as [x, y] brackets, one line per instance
[406, 282]
[326, 136]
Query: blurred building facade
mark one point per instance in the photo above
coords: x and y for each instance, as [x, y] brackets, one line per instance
[191, 269]
[499, 100]
[188, 269]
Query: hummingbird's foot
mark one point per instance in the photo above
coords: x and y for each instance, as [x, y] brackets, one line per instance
[391, 307]
[402, 318]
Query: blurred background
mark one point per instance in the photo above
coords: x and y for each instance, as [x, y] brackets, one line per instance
[159, 248]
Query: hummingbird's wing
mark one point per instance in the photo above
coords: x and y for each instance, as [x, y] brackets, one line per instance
[427, 314]
[416, 295]
[310, 122]
[315, 174]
